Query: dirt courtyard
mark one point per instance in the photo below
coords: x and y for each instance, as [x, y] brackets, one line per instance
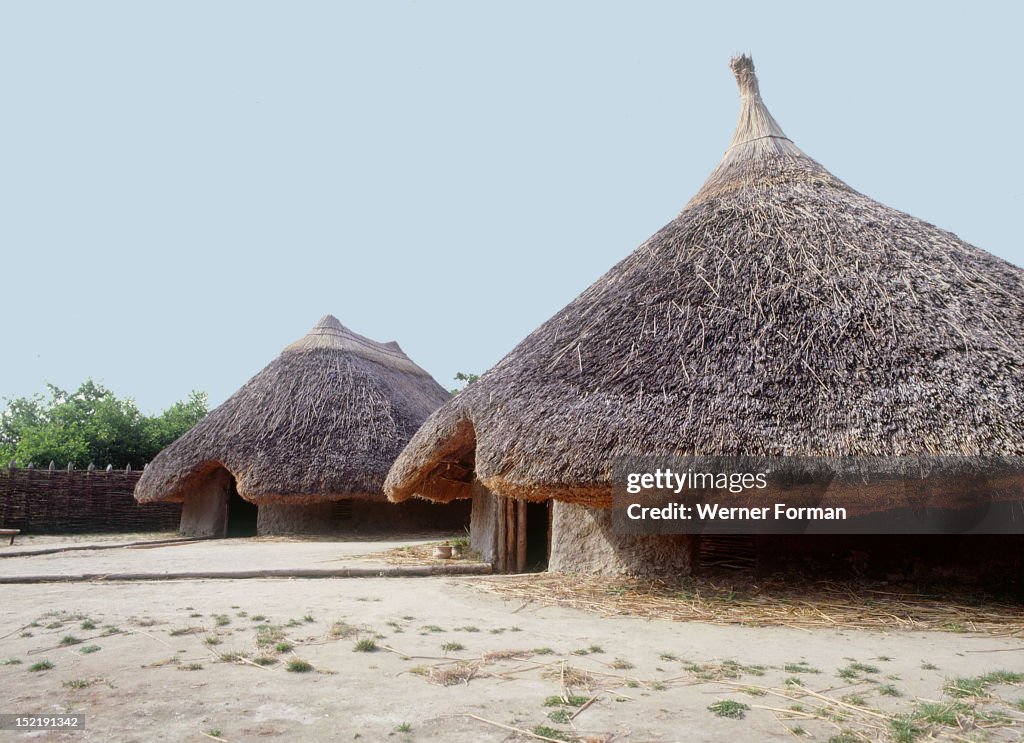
[437, 659]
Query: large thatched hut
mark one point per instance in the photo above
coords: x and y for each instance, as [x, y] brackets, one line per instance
[304, 446]
[780, 313]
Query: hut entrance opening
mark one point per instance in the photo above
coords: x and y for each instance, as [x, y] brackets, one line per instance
[241, 521]
[524, 536]
[538, 536]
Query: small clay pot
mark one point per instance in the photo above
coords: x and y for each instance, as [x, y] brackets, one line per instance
[444, 551]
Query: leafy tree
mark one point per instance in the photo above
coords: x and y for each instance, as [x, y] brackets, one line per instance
[466, 378]
[173, 422]
[90, 425]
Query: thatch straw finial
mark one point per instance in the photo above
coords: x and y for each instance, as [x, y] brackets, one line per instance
[743, 68]
[330, 321]
[330, 334]
[758, 135]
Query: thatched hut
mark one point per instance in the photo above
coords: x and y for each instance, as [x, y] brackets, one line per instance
[304, 445]
[780, 313]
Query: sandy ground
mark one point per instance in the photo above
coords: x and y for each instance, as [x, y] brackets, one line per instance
[23, 542]
[156, 661]
[214, 554]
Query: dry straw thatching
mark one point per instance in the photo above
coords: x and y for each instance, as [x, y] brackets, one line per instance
[324, 420]
[781, 313]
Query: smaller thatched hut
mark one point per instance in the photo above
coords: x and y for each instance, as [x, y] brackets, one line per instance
[304, 446]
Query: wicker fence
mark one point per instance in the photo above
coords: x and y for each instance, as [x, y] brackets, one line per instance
[57, 501]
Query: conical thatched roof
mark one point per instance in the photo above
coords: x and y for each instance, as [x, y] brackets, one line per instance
[324, 420]
[780, 313]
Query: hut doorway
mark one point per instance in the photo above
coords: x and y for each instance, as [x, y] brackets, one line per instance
[524, 536]
[241, 520]
[538, 536]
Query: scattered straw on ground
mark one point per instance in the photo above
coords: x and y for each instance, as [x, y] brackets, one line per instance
[806, 604]
[420, 554]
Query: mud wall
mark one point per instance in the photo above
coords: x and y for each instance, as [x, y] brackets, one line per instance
[483, 524]
[204, 512]
[362, 516]
[582, 541]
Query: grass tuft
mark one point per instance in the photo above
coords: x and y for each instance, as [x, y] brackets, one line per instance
[268, 634]
[545, 732]
[965, 687]
[343, 629]
[939, 713]
[570, 700]
[729, 708]
[800, 667]
[1003, 677]
[854, 670]
[560, 716]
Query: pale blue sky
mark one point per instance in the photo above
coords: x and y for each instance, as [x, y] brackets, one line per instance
[186, 187]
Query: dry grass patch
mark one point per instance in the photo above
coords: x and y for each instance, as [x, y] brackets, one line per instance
[423, 554]
[571, 677]
[747, 602]
[450, 675]
[343, 630]
[496, 656]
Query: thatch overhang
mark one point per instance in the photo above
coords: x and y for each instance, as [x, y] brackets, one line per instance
[781, 313]
[323, 421]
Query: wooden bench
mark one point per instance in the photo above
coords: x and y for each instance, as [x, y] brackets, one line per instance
[12, 532]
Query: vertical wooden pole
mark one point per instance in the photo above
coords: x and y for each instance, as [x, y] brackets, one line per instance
[550, 505]
[499, 513]
[520, 536]
[510, 535]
